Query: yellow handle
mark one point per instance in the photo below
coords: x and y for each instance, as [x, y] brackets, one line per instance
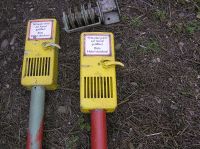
[50, 44]
[109, 63]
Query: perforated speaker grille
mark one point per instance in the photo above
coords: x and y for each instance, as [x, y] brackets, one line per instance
[98, 87]
[39, 66]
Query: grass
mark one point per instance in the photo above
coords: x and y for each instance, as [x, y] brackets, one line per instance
[159, 15]
[187, 2]
[192, 27]
[136, 22]
[150, 45]
[188, 28]
[178, 28]
[125, 18]
[71, 142]
[83, 125]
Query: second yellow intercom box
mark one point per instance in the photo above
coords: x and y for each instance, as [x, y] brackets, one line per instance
[97, 72]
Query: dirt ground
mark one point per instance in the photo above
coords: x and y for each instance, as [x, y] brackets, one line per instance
[158, 89]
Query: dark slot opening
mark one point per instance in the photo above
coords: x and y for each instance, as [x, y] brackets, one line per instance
[49, 64]
[95, 88]
[108, 86]
[98, 87]
[101, 82]
[40, 67]
[31, 68]
[43, 66]
[88, 89]
[84, 87]
[91, 87]
[111, 85]
[105, 88]
[34, 67]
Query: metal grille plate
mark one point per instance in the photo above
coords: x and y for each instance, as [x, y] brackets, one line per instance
[98, 87]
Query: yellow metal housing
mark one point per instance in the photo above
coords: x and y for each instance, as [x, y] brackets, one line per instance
[97, 72]
[41, 54]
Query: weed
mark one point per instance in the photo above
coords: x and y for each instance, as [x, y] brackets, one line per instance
[178, 28]
[182, 2]
[71, 142]
[136, 22]
[153, 45]
[186, 2]
[125, 18]
[192, 27]
[159, 15]
[83, 125]
[150, 45]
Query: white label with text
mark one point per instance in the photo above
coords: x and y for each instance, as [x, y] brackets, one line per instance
[40, 30]
[97, 45]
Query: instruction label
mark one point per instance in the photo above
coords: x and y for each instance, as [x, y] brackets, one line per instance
[41, 30]
[97, 45]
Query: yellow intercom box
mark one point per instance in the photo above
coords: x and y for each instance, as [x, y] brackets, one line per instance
[97, 72]
[40, 60]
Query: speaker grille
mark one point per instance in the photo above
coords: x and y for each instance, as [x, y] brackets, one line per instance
[98, 87]
[39, 66]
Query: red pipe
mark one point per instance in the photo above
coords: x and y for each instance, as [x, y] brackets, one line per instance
[98, 129]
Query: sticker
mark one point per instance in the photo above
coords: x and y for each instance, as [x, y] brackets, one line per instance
[41, 30]
[97, 45]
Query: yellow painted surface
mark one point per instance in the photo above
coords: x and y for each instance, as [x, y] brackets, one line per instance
[97, 76]
[40, 62]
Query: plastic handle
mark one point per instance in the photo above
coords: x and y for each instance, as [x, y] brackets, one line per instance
[98, 129]
[108, 63]
[35, 130]
[50, 44]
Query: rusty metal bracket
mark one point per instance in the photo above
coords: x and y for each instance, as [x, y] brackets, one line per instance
[105, 12]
